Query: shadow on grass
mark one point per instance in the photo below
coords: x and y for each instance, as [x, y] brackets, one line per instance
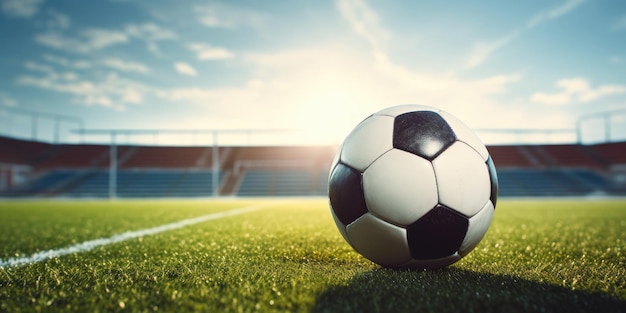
[456, 290]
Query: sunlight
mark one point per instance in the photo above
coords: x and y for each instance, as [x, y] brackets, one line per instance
[331, 111]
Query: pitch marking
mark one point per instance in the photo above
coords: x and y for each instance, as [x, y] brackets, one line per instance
[91, 244]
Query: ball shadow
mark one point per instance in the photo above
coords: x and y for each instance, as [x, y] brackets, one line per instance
[457, 290]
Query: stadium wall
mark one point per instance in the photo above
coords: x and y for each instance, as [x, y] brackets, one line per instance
[37, 169]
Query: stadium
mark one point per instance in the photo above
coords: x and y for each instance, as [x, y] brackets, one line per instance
[44, 170]
[201, 157]
[136, 200]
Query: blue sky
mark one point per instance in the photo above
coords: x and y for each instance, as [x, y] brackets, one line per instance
[321, 66]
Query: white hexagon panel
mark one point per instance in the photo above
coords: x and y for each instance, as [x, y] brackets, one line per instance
[368, 141]
[478, 226]
[379, 241]
[465, 134]
[400, 187]
[463, 180]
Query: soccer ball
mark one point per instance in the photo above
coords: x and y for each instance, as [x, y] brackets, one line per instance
[412, 187]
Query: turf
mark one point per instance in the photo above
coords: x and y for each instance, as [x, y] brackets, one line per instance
[554, 256]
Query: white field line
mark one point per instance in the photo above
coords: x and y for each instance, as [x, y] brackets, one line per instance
[91, 244]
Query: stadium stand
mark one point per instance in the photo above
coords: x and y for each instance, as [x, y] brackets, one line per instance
[15, 151]
[282, 183]
[81, 171]
[166, 157]
[146, 184]
[73, 156]
[611, 153]
[281, 171]
[507, 156]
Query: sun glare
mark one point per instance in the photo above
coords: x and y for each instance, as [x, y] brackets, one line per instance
[329, 114]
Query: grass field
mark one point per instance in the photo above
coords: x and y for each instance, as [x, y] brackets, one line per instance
[551, 256]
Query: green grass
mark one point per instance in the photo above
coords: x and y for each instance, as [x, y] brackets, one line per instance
[555, 256]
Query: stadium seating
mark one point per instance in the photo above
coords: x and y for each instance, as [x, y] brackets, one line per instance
[553, 182]
[75, 156]
[130, 184]
[22, 152]
[166, 157]
[283, 183]
[81, 170]
[45, 184]
[508, 156]
[611, 153]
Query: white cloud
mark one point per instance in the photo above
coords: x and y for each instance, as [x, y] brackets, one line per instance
[431, 88]
[482, 50]
[125, 66]
[93, 39]
[89, 40]
[220, 15]
[620, 24]
[185, 69]
[551, 99]
[57, 41]
[75, 64]
[151, 34]
[207, 52]
[576, 90]
[21, 8]
[555, 13]
[34, 66]
[7, 100]
[364, 21]
[114, 63]
[58, 20]
[110, 91]
[100, 38]
[330, 89]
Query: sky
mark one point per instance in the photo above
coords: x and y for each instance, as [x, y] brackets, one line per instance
[316, 66]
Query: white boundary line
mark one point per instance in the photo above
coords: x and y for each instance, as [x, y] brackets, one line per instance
[91, 244]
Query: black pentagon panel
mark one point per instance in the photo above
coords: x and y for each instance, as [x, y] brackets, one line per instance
[493, 176]
[437, 234]
[346, 193]
[424, 133]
